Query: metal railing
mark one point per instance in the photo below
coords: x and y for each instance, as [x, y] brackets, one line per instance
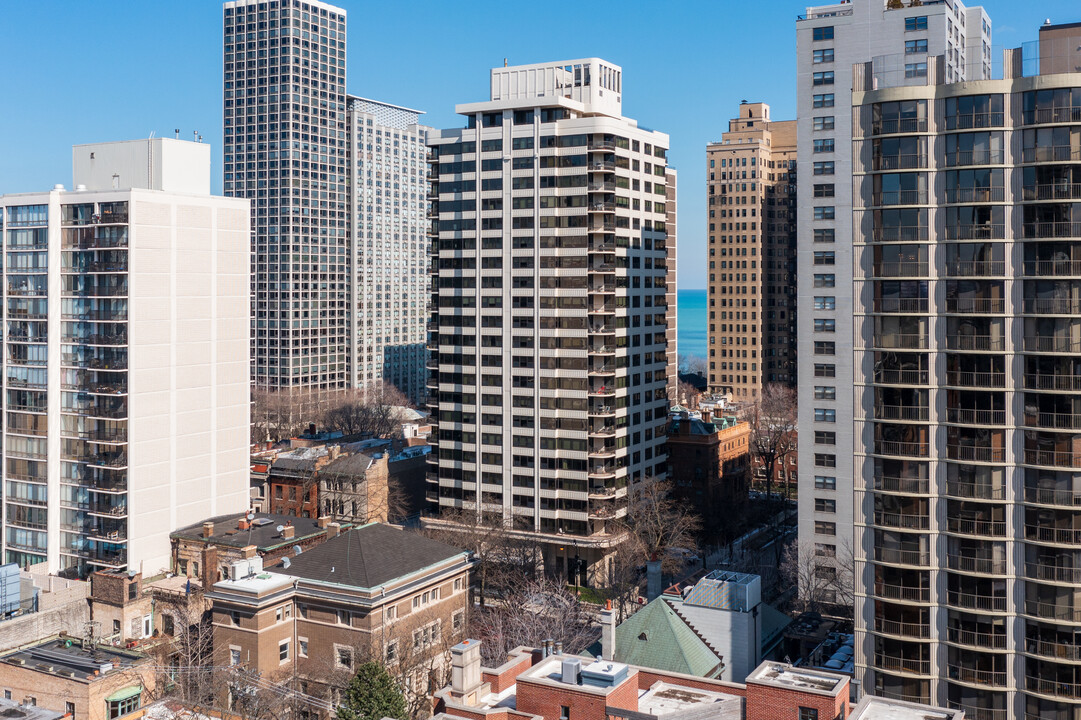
[974, 416]
[1043, 343]
[1055, 688]
[897, 556]
[975, 454]
[902, 592]
[1052, 496]
[1051, 230]
[1052, 191]
[976, 379]
[1058, 536]
[893, 663]
[903, 161]
[901, 412]
[902, 521]
[1053, 458]
[975, 157]
[1052, 268]
[1051, 611]
[901, 268]
[901, 377]
[900, 305]
[976, 677]
[971, 526]
[1052, 573]
[975, 305]
[975, 601]
[981, 343]
[975, 268]
[980, 491]
[969, 564]
[974, 638]
[975, 195]
[916, 486]
[904, 449]
[1051, 306]
[905, 629]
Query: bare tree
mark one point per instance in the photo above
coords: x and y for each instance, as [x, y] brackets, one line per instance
[186, 653]
[692, 364]
[688, 395]
[824, 578]
[773, 429]
[536, 610]
[657, 523]
[373, 410]
[278, 414]
[624, 581]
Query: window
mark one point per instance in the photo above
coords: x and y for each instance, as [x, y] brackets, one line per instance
[825, 550]
[823, 370]
[825, 482]
[823, 55]
[822, 78]
[824, 234]
[823, 145]
[234, 656]
[823, 347]
[343, 657]
[824, 190]
[915, 70]
[826, 505]
[392, 651]
[120, 708]
[824, 122]
[824, 100]
[457, 584]
[825, 437]
[825, 212]
[822, 33]
[69, 708]
[916, 23]
[279, 614]
[915, 46]
[343, 617]
[283, 651]
[824, 257]
[391, 612]
[302, 647]
[825, 415]
[825, 325]
[168, 626]
[458, 621]
[825, 460]
[825, 302]
[825, 392]
[824, 168]
[564, 712]
[825, 280]
[825, 528]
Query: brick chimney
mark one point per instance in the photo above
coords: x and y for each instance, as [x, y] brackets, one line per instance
[333, 529]
[288, 531]
[322, 521]
[608, 632]
[465, 675]
[208, 529]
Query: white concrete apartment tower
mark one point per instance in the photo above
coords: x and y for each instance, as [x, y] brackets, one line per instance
[548, 351]
[389, 225]
[286, 149]
[126, 387]
[830, 39]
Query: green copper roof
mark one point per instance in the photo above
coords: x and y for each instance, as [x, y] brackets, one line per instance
[656, 637]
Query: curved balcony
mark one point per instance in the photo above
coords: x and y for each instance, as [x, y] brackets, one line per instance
[983, 528]
[1052, 421]
[1042, 381]
[976, 640]
[962, 158]
[886, 376]
[602, 430]
[903, 593]
[1056, 651]
[901, 412]
[888, 198]
[907, 306]
[975, 268]
[896, 628]
[1053, 458]
[902, 449]
[602, 208]
[602, 471]
[974, 416]
[900, 341]
[1050, 611]
[975, 306]
[1052, 496]
[602, 369]
[975, 491]
[1053, 688]
[900, 161]
[976, 343]
[1052, 268]
[969, 195]
[1051, 306]
[899, 664]
[970, 453]
[602, 288]
[896, 556]
[1053, 535]
[973, 601]
[1052, 573]
[900, 269]
[976, 379]
[987, 231]
[973, 676]
[975, 565]
[601, 349]
[901, 521]
[1036, 231]
[907, 486]
[602, 166]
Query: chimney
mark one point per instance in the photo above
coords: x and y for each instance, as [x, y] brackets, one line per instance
[559, 647]
[208, 529]
[333, 529]
[608, 632]
[333, 451]
[288, 531]
[311, 428]
[322, 521]
[653, 580]
[465, 676]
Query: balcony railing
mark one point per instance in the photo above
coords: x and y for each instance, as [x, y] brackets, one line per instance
[901, 269]
[906, 629]
[893, 126]
[975, 268]
[892, 663]
[987, 231]
[1051, 611]
[1053, 650]
[973, 120]
[915, 486]
[1052, 573]
[1051, 306]
[973, 601]
[902, 592]
[974, 157]
[903, 161]
[1058, 536]
[975, 195]
[1055, 191]
[968, 306]
[1051, 115]
[1052, 496]
[1057, 421]
[1051, 230]
[981, 343]
[902, 520]
[904, 449]
[970, 526]
[1050, 153]
[900, 233]
[1054, 688]
[1043, 343]
[900, 341]
[1053, 458]
[899, 197]
[901, 377]
[976, 454]
[969, 564]
[974, 676]
[974, 416]
[901, 412]
[979, 491]
[973, 638]
[907, 306]
[976, 379]
[896, 556]
[1053, 268]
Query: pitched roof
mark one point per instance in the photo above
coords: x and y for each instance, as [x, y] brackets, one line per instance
[369, 556]
[657, 637]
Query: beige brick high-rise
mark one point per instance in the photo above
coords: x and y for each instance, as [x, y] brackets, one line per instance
[752, 236]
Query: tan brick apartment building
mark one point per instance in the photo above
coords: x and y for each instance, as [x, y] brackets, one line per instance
[374, 592]
[709, 467]
[752, 232]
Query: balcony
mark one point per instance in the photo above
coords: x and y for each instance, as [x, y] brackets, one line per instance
[976, 379]
[975, 306]
[602, 207]
[902, 449]
[896, 556]
[900, 341]
[979, 565]
[602, 369]
[1053, 535]
[1053, 688]
[602, 247]
[961, 158]
[1053, 268]
[902, 521]
[974, 676]
[901, 412]
[600, 287]
[601, 410]
[1039, 381]
[904, 629]
[914, 486]
[975, 195]
[900, 233]
[1051, 115]
[975, 639]
[602, 471]
[977, 491]
[977, 343]
[900, 269]
[602, 430]
[975, 268]
[607, 227]
[891, 663]
[899, 197]
[972, 601]
[889, 376]
[111, 461]
[906, 306]
[1051, 306]
[1053, 421]
[973, 416]
[1051, 611]
[1055, 191]
[903, 161]
[971, 526]
[1052, 496]
[987, 231]
[972, 453]
[1052, 573]
[1043, 343]
[1051, 230]
[902, 592]
[601, 349]
[1050, 650]
[602, 166]
[1053, 458]
[602, 391]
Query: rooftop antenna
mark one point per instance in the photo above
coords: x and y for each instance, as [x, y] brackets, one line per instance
[504, 62]
[195, 135]
[177, 131]
[152, 134]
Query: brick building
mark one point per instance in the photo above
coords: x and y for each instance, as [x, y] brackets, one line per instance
[131, 611]
[374, 592]
[709, 466]
[207, 550]
[539, 684]
[92, 682]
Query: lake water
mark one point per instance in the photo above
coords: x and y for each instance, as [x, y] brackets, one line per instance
[691, 336]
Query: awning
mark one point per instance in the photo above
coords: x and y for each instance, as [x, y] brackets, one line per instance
[125, 693]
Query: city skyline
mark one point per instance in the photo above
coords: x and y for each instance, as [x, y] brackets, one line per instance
[187, 64]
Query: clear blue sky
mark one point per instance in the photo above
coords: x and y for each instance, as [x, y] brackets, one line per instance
[79, 72]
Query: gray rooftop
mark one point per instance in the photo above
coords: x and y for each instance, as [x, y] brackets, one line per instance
[12, 710]
[261, 534]
[65, 656]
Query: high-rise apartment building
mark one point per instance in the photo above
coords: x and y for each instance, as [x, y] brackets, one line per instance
[967, 246]
[286, 149]
[126, 388]
[389, 227]
[830, 39]
[548, 299]
[752, 245]
[671, 294]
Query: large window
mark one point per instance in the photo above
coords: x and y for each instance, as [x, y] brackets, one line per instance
[915, 46]
[124, 702]
[915, 23]
[916, 70]
[823, 101]
[822, 55]
[822, 33]
[826, 78]
[823, 145]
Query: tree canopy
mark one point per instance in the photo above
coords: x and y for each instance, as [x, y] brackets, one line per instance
[372, 694]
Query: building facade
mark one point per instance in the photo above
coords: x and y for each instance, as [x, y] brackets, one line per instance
[286, 150]
[752, 243]
[830, 39]
[389, 228]
[709, 466]
[126, 383]
[671, 294]
[548, 346]
[967, 222]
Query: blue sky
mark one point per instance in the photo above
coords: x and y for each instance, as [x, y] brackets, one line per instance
[81, 72]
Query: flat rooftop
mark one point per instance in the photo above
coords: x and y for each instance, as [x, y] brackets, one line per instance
[65, 657]
[791, 678]
[12, 710]
[875, 708]
[263, 532]
[663, 699]
[257, 584]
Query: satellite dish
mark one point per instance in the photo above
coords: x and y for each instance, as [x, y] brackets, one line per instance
[250, 516]
[280, 528]
[297, 550]
[286, 563]
[131, 573]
